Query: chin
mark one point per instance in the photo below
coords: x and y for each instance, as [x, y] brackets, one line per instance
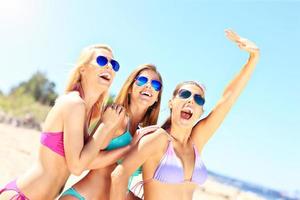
[103, 87]
[186, 123]
[145, 103]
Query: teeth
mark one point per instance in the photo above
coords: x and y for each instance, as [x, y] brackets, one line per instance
[105, 75]
[188, 110]
[146, 93]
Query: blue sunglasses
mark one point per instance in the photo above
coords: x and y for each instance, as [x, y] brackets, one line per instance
[185, 94]
[142, 80]
[102, 61]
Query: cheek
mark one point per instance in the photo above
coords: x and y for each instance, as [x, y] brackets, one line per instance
[177, 103]
[135, 90]
[113, 75]
[90, 73]
[156, 96]
[199, 112]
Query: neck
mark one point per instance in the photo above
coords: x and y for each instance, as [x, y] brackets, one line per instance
[90, 97]
[180, 134]
[138, 112]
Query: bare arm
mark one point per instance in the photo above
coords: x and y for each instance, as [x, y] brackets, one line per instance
[78, 154]
[106, 158]
[205, 128]
[139, 154]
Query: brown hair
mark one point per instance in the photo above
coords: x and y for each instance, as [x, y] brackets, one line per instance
[167, 124]
[123, 97]
[74, 82]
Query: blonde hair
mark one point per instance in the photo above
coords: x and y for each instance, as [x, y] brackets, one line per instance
[74, 82]
[123, 97]
[167, 124]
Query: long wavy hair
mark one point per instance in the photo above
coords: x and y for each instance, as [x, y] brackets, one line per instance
[123, 98]
[74, 82]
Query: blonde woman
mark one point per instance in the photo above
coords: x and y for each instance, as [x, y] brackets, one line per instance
[172, 165]
[66, 146]
[141, 97]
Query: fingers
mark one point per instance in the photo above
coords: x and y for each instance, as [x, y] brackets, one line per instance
[116, 108]
[148, 129]
[231, 35]
[119, 109]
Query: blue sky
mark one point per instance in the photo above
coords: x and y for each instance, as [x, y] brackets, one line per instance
[258, 141]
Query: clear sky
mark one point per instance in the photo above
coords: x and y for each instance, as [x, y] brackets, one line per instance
[258, 141]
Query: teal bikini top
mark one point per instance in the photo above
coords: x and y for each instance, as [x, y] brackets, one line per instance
[120, 141]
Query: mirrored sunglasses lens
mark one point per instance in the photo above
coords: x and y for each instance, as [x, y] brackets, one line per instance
[156, 85]
[102, 61]
[142, 80]
[184, 94]
[199, 100]
[115, 65]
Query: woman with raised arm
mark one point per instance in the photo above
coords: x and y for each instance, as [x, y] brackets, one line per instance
[172, 165]
[66, 146]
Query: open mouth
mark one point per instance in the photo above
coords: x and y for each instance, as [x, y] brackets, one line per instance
[105, 76]
[186, 113]
[145, 93]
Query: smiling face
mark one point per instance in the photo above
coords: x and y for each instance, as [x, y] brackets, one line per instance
[145, 94]
[185, 111]
[96, 76]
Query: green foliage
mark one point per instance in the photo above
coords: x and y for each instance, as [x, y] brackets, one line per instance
[110, 99]
[20, 106]
[33, 97]
[38, 87]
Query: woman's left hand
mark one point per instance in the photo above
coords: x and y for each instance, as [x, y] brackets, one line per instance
[243, 43]
[143, 131]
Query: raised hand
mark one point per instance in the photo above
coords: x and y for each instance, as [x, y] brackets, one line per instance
[243, 43]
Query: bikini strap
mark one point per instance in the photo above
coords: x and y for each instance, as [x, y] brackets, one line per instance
[137, 188]
[169, 136]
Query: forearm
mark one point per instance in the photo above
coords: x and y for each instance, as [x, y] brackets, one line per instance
[235, 87]
[91, 148]
[119, 182]
[106, 158]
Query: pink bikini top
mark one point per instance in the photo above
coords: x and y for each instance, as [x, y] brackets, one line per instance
[54, 141]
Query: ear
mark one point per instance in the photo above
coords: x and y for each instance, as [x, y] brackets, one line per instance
[82, 70]
[130, 90]
[170, 104]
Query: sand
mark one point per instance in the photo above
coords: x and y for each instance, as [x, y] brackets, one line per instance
[19, 147]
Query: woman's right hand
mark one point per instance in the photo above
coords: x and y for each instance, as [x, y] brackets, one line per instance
[113, 116]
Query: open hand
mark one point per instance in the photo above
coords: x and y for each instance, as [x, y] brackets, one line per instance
[243, 43]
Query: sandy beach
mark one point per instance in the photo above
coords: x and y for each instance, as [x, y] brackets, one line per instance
[19, 148]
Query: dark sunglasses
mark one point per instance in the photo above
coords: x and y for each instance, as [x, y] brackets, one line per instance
[185, 94]
[142, 80]
[102, 61]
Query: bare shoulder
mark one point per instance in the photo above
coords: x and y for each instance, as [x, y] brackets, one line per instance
[70, 102]
[155, 140]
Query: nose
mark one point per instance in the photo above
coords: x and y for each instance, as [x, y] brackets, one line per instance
[148, 84]
[190, 100]
[108, 66]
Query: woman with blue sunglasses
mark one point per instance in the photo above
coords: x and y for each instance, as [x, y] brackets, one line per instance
[141, 97]
[172, 165]
[67, 146]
